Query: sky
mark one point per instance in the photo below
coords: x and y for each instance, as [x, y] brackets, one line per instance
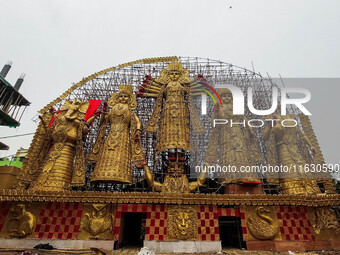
[58, 42]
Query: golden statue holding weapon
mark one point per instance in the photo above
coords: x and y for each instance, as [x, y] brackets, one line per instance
[173, 106]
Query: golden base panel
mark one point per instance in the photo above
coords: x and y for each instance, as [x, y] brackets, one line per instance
[278, 219]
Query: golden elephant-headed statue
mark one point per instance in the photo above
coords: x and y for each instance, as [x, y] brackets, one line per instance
[55, 160]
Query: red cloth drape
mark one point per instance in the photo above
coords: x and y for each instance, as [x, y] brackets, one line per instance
[94, 104]
[53, 119]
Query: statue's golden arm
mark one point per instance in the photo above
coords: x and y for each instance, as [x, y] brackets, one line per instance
[266, 132]
[99, 143]
[90, 120]
[306, 140]
[138, 123]
[197, 123]
[137, 151]
[213, 145]
[200, 181]
[153, 121]
[252, 134]
[268, 129]
[46, 118]
[88, 124]
[305, 143]
[157, 186]
[103, 115]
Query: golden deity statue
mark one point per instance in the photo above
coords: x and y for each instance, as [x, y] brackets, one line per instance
[56, 159]
[122, 143]
[236, 144]
[287, 147]
[173, 106]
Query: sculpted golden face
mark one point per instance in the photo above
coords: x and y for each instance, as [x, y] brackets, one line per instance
[183, 221]
[73, 108]
[123, 98]
[227, 98]
[174, 75]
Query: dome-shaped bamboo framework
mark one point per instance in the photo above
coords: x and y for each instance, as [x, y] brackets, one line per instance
[101, 85]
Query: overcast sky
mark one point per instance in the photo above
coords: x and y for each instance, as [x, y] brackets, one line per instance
[58, 42]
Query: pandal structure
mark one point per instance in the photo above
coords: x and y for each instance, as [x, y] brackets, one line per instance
[76, 156]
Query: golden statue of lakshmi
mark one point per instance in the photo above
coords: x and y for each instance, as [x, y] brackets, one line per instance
[56, 158]
[122, 143]
[236, 144]
[287, 147]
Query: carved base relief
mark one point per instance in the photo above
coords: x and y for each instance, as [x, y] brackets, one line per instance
[182, 222]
